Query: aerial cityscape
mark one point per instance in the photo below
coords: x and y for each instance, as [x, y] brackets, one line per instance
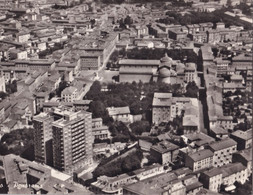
[126, 97]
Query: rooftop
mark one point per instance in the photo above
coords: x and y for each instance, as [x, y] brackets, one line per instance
[119, 110]
[202, 154]
[155, 185]
[231, 169]
[223, 144]
[139, 62]
[165, 146]
[246, 154]
[245, 135]
[213, 172]
[69, 90]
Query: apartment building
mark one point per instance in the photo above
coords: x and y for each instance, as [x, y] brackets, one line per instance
[212, 179]
[72, 141]
[199, 160]
[42, 133]
[223, 151]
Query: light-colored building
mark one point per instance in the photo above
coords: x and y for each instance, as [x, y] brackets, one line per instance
[162, 184]
[72, 141]
[234, 172]
[199, 160]
[166, 70]
[112, 185]
[137, 70]
[212, 179]
[90, 62]
[165, 108]
[223, 151]
[69, 94]
[23, 37]
[120, 114]
[2, 84]
[99, 131]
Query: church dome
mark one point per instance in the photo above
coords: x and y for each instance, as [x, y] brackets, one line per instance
[166, 61]
[166, 72]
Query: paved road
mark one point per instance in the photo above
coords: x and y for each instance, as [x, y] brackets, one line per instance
[201, 119]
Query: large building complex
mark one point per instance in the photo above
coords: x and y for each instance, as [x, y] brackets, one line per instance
[165, 108]
[166, 70]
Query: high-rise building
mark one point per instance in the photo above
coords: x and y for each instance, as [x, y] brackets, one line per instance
[72, 141]
[42, 133]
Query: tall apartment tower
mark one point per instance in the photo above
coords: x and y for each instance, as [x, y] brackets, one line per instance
[72, 141]
[42, 134]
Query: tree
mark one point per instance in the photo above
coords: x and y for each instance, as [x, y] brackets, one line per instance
[192, 90]
[98, 109]
[11, 142]
[128, 20]
[11, 87]
[62, 86]
[139, 127]
[3, 95]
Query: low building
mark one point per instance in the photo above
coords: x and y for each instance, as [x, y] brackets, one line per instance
[2, 84]
[219, 132]
[145, 145]
[40, 99]
[231, 173]
[69, 94]
[99, 131]
[26, 177]
[5, 110]
[165, 152]
[212, 179]
[192, 184]
[197, 140]
[120, 114]
[161, 184]
[112, 185]
[150, 171]
[199, 160]
[223, 151]
[137, 70]
[243, 139]
[244, 157]
[232, 87]
[81, 105]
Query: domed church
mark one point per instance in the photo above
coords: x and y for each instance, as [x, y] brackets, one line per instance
[166, 70]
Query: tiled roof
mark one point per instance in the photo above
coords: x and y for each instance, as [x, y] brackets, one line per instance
[119, 110]
[139, 62]
[231, 169]
[220, 145]
[213, 172]
[69, 90]
[202, 154]
[245, 135]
